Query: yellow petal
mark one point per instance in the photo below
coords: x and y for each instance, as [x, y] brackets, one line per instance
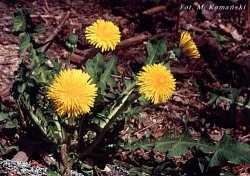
[188, 46]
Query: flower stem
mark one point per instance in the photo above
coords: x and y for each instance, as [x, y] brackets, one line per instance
[64, 154]
[128, 98]
[68, 59]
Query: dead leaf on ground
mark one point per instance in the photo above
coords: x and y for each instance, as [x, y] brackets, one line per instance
[207, 25]
[158, 133]
[232, 31]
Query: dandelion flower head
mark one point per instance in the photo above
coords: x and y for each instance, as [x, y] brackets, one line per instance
[103, 34]
[72, 93]
[156, 83]
[188, 46]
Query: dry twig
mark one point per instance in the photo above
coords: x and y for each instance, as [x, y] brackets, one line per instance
[80, 60]
[154, 10]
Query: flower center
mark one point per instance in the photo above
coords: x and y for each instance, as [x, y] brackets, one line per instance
[104, 33]
[72, 92]
[161, 80]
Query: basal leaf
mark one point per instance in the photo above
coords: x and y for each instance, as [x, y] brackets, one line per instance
[106, 78]
[52, 173]
[24, 42]
[19, 20]
[146, 145]
[212, 99]
[227, 150]
[10, 125]
[5, 150]
[21, 88]
[155, 51]
[37, 30]
[3, 117]
[7, 119]
[95, 67]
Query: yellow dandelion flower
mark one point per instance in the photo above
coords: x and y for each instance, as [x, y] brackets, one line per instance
[103, 34]
[156, 83]
[72, 93]
[188, 46]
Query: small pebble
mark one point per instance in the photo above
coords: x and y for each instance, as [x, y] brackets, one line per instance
[24, 168]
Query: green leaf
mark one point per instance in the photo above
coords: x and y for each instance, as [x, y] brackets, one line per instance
[105, 78]
[85, 168]
[37, 30]
[227, 173]
[101, 122]
[38, 119]
[24, 42]
[57, 66]
[229, 150]
[224, 151]
[6, 150]
[19, 20]
[126, 82]
[52, 173]
[10, 125]
[95, 67]
[155, 51]
[179, 146]
[225, 95]
[177, 52]
[8, 118]
[3, 116]
[21, 88]
[146, 145]
[218, 37]
[212, 99]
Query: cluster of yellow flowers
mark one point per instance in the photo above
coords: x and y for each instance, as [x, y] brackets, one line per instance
[73, 94]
